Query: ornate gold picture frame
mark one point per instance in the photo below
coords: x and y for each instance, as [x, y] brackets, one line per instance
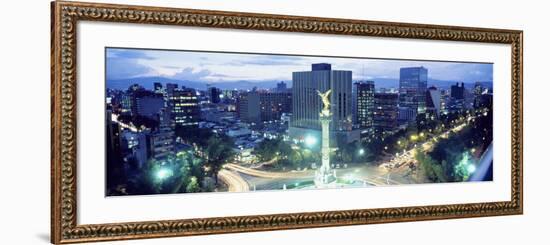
[64, 107]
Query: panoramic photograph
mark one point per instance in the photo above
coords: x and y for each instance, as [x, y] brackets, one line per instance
[185, 121]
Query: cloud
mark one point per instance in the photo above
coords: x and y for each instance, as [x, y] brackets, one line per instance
[449, 71]
[219, 75]
[128, 54]
[463, 72]
[125, 63]
[214, 67]
[171, 67]
[268, 60]
[126, 68]
[191, 74]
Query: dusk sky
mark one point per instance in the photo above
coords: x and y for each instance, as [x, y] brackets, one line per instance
[214, 67]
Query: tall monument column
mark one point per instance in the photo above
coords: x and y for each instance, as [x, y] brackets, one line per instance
[325, 149]
[324, 175]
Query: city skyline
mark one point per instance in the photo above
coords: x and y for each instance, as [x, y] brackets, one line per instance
[328, 129]
[216, 67]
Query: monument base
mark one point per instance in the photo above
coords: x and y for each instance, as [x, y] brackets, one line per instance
[325, 178]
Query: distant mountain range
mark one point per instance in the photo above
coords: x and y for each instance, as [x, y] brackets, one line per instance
[147, 82]
[442, 84]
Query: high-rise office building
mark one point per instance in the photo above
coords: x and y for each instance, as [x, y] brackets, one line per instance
[486, 101]
[433, 102]
[134, 145]
[256, 107]
[230, 94]
[469, 99]
[413, 82]
[385, 113]
[147, 104]
[478, 90]
[273, 105]
[214, 94]
[184, 107]
[365, 104]
[306, 103]
[456, 102]
[281, 87]
[483, 95]
[170, 87]
[113, 150]
[457, 91]
[161, 142]
[248, 109]
[135, 87]
[157, 88]
[406, 115]
[127, 102]
[141, 102]
[445, 101]
[160, 90]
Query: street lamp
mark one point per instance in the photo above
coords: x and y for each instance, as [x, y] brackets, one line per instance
[361, 152]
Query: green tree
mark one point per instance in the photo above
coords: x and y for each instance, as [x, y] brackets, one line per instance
[193, 185]
[159, 177]
[432, 170]
[285, 148]
[295, 159]
[219, 152]
[183, 162]
[267, 149]
[349, 153]
[197, 136]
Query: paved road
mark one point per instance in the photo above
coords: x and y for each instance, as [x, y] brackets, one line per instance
[400, 162]
[395, 171]
[269, 175]
[234, 181]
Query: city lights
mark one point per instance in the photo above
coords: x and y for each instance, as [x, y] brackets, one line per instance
[310, 140]
[471, 168]
[322, 127]
[348, 177]
[164, 173]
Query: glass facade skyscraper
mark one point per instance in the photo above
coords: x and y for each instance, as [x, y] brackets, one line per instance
[385, 113]
[306, 103]
[365, 104]
[184, 108]
[413, 82]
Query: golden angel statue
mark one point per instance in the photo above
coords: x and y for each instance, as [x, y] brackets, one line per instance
[326, 102]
